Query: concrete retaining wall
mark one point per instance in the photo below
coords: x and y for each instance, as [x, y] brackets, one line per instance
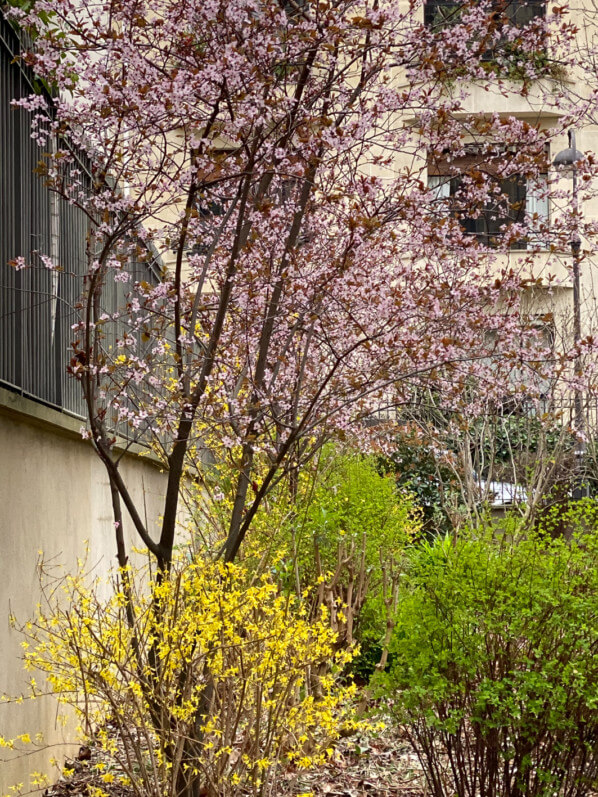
[54, 495]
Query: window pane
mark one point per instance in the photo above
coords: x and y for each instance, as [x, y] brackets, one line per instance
[513, 201]
[440, 185]
[439, 14]
[536, 208]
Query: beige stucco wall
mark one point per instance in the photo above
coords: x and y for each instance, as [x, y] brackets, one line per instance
[54, 496]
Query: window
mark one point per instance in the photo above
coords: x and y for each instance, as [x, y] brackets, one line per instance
[538, 341]
[206, 218]
[293, 8]
[512, 200]
[500, 52]
[439, 14]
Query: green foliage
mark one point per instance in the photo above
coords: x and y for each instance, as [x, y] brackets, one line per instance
[496, 662]
[341, 503]
[28, 6]
[366, 662]
[515, 63]
[25, 5]
[28, 35]
[334, 537]
[419, 471]
[560, 518]
[507, 58]
[582, 514]
[508, 447]
[351, 500]
[522, 432]
[355, 529]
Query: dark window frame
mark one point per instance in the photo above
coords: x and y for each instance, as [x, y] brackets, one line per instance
[439, 14]
[512, 200]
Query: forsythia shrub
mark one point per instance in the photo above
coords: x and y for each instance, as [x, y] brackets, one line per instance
[199, 681]
[495, 669]
[340, 534]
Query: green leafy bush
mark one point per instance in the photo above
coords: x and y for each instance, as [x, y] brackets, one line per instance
[495, 668]
[352, 501]
[355, 528]
[420, 470]
[336, 542]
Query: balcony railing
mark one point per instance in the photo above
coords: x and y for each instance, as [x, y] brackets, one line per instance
[38, 306]
[439, 14]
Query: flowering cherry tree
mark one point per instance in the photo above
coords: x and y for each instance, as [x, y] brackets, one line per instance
[270, 158]
[296, 221]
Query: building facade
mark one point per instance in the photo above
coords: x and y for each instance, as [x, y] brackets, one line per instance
[54, 491]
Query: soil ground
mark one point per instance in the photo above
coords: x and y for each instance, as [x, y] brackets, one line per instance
[380, 766]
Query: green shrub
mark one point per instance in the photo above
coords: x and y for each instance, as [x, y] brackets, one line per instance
[332, 534]
[336, 542]
[421, 471]
[495, 669]
[355, 528]
[352, 502]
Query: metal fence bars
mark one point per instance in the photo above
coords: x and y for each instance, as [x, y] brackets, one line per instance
[38, 305]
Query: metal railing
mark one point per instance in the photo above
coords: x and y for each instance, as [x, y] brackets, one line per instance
[439, 14]
[38, 305]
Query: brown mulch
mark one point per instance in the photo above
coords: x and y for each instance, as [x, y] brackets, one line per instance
[383, 765]
[83, 776]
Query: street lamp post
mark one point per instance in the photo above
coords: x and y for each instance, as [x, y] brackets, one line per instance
[568, 159]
